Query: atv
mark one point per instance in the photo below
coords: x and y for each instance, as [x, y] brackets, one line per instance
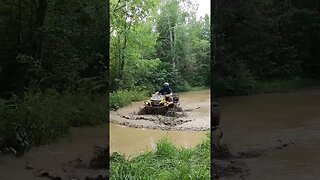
[161, 104]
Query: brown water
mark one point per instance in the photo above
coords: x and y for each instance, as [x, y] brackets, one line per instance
[196, 120]
[132, 141]
[259, 121]
[54, 158]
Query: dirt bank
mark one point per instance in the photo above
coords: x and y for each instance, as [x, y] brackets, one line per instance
[75, 157]
[195, 115]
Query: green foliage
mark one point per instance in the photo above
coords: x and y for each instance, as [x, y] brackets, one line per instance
[272, 40]
[167, 44]
[51, 44]
[48, 116]
[167, 162]
[123, 98]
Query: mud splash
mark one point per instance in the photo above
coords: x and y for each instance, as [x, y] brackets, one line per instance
[194, 115]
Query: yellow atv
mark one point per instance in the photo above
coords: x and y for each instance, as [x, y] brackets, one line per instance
[161, 104]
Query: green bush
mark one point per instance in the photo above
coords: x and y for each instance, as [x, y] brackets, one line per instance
[123, 98]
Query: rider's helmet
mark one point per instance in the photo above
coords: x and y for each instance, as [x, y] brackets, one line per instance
[166, 84]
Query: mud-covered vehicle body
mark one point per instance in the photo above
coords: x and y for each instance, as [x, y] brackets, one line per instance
[160, 104]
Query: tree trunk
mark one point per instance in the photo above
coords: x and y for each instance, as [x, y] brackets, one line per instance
[39, 27]
[38, 38]
[171, 45]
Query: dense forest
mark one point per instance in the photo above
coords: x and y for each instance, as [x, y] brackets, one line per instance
[157, 41]
[51, 44]
[53, 69]
[264, 40]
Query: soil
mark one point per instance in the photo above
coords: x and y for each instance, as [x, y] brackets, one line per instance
[80, 156]
[231, 165]
[274, 136]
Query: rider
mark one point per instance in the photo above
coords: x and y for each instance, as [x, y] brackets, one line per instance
[166, 90]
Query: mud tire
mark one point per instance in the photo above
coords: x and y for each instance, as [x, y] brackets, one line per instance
[171, 112]
[175, 98]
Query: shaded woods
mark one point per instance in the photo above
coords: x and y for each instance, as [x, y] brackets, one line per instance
[53, 69]
[265, 46]
[157, 41]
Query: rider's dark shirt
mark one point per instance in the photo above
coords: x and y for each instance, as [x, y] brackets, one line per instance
[165, 91]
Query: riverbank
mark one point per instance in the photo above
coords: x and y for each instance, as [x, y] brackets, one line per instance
[166, 162]
[235, 88]
[81, 155]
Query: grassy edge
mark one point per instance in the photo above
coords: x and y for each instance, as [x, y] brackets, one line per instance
[167, 162]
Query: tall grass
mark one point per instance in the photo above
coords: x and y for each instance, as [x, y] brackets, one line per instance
[167, 162]
[49, 115]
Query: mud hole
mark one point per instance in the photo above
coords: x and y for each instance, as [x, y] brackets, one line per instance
[80, 168]
[160, 119]
[163, 122]
[228, 164]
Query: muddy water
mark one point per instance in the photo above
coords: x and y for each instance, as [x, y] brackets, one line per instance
[132, 141]
[263, 121]
[197, 114]
[58, 159]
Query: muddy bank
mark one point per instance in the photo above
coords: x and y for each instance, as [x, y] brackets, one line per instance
[77, 157]
[194, 116]
[278, 134]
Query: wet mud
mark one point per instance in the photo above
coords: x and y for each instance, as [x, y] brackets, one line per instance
[94, 168]
[81, 155]
[193, 115]
[273, 136]
[230, 165]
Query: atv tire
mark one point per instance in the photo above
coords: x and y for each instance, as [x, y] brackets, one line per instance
[171, 112]
[175, 98]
